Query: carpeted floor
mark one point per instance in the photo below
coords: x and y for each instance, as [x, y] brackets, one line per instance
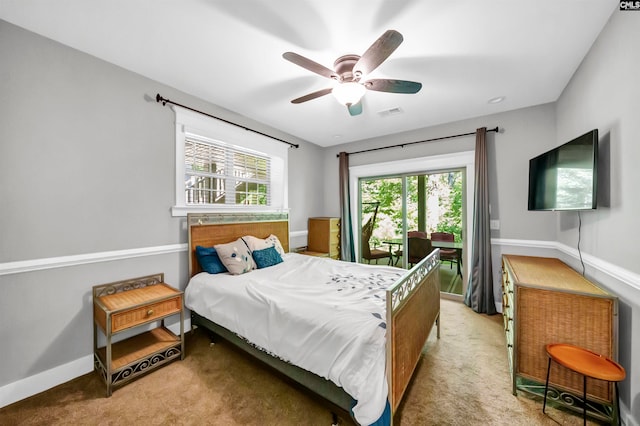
[463, 379]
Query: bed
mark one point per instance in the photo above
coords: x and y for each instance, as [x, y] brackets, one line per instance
[400, 311]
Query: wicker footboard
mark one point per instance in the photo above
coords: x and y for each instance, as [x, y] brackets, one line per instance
[413, 306]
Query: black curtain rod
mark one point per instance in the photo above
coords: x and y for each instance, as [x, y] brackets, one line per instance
[402, 145]
[166, 101]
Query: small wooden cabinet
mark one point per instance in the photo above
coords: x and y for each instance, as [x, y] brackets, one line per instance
[314, 253]
[324, 237]
[545, 301]
[124, 305]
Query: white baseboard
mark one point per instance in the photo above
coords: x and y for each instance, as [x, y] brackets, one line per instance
[24, 388]
[626, 416]
[32, 385]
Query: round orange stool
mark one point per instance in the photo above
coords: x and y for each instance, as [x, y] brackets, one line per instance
[587, 363]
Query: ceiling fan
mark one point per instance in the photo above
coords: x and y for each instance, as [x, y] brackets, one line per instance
[350, 69]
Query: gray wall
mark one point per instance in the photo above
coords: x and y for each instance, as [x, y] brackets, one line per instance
[604, 93]
[87, 166]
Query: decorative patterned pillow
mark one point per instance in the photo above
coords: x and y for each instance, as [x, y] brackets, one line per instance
[276, 243]
[255, 243]
[267, 257]
[236, 257]
[209, 260]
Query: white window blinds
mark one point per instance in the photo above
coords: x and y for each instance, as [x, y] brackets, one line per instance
[220, 167]
[217, 173]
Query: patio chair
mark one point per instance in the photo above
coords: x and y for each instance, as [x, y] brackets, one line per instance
[418, 248]
[369, 253]
[449, 255]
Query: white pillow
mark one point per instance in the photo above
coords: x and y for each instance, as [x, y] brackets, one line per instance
[255, 243]
[236, 257]
[276, 243]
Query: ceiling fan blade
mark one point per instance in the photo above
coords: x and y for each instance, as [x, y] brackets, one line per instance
[312, 95]
[309, 64]
[378, 52]
[393, 86]
[355, 109]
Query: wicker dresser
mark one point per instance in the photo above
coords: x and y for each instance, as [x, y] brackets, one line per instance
[545, 301]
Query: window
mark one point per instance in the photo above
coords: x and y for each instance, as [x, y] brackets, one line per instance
[219, 174]
[220, 167]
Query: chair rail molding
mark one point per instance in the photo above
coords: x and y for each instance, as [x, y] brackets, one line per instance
[602, 266]
[22, 266]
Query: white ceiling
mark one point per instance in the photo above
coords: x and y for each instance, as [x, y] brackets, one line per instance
[229, 52]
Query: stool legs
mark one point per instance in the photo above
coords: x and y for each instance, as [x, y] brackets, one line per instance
[546, 386]
[618, 404]
[584, 398]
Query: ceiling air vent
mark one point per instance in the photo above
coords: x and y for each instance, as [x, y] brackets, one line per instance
[391, 111]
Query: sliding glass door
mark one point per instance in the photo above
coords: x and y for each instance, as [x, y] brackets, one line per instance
[395, 210]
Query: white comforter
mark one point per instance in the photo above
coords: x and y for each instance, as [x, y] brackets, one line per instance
[325, 316]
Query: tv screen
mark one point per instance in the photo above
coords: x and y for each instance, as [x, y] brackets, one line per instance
[565, 178]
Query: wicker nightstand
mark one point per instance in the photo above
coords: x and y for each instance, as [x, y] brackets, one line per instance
[124, 305]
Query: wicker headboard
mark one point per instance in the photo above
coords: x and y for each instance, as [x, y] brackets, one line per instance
[210, 229]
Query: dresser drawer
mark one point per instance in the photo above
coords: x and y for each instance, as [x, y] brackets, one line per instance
[136, 316]
[334, 236]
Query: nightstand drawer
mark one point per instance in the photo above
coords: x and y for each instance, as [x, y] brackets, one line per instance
[137, 316]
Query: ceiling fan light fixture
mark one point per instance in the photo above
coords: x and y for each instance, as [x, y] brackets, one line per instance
[349, 69]
[348, 93]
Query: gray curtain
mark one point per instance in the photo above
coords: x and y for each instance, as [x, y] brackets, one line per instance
[479, 296]
[347, 251]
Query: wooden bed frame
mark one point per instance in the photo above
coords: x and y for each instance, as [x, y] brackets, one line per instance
[413, 307]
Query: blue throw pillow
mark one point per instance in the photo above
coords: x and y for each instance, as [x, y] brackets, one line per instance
[267, 257]
[209, 260]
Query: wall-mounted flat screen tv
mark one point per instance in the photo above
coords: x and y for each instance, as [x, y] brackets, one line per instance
[565, 178]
